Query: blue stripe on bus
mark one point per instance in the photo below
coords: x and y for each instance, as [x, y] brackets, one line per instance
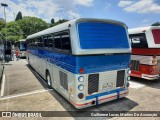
[90, 63]
[104, 93]
[94, 35]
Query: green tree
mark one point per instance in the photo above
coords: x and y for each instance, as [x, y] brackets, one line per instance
[2, 25]
[12, 31]
[61, 21]
[156, 24]
[19, 16]
[31, 25]
[58, 22]
[52, 21]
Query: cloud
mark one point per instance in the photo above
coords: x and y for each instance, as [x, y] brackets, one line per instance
[84, 2]
[45, 9]
[72, 14]
[144, 25]
[145, 21]
[124, 3]
[142, 6]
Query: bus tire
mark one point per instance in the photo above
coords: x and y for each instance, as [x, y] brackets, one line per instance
[48, 79]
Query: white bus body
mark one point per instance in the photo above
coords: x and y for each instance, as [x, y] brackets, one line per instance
[85, 60]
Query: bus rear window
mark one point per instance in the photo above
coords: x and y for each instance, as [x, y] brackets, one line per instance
[156, 36]
[99, 35]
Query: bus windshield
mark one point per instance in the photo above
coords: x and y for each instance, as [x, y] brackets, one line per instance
[22, 46]
[138, 40]
[156, 35]
[99, 35]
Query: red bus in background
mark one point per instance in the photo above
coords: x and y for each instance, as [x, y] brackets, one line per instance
[145, 59]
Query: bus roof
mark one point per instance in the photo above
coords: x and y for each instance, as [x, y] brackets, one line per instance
[65, 26]
[141, 29]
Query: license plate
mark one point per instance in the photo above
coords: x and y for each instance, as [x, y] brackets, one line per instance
[107, 86]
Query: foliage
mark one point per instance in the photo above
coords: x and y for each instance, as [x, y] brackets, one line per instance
[156, 24]
[52, 21]
[2, 24]
[31, 25]
[19, 16]
[21, 28]
[12, 31]
[58, 22]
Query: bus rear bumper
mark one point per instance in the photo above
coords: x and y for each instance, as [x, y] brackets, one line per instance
[100, 100]
[150, 77]
[144, 76]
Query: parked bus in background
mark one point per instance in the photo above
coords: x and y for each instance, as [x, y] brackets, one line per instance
[5, 53]
[1, 58]
[8, 51]
[145, 58]
[21, 46]
[85, 60]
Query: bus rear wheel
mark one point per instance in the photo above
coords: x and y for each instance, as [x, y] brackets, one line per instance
[48, 80]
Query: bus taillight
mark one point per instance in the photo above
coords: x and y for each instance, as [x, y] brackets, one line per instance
[80, 95]
[81, 70]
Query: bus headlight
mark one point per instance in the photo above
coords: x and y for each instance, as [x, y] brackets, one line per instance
[81, 87]
[128, 78]
[80, 78]
[129, 71]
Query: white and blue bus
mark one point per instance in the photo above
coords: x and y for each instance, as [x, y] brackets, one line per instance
[85, 60]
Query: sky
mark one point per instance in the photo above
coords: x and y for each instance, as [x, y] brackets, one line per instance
[134, 13]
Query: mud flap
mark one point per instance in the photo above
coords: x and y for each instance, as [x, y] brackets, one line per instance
[118, 93]
[96, 100]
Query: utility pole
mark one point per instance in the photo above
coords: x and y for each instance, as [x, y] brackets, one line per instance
[5, 5]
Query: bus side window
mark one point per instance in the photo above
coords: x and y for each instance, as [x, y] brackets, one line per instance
[29, 43]
[50, 42]
[33, 42]
[57, 42]
[40, 42]
[36, 42]
[45, 42]
[66, 46]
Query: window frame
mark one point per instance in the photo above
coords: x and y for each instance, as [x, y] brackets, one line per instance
[58, 34]
[40, 43]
